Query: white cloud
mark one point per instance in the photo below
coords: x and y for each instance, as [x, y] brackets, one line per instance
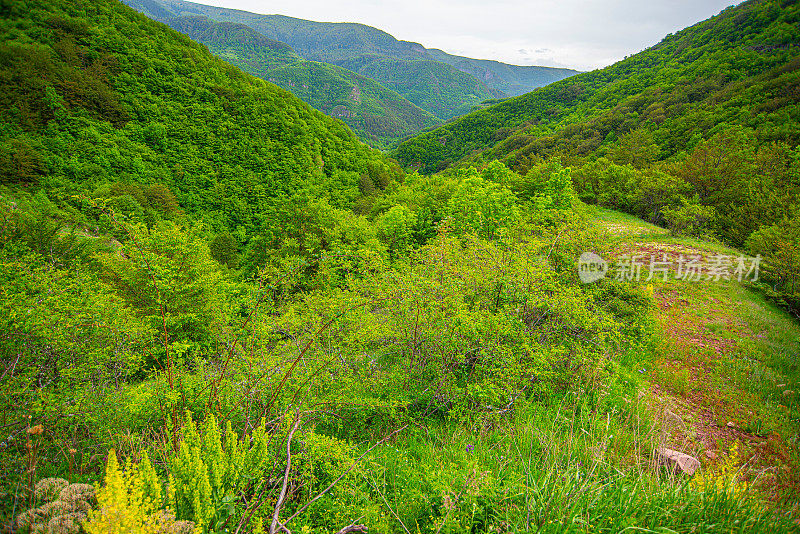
[582, 34]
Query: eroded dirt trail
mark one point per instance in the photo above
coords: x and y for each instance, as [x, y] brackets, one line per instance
[707, 405]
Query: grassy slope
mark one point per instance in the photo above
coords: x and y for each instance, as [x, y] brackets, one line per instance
[725, 370]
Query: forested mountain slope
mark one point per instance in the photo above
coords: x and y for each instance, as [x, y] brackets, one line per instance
[97, 94]
[376, 114]
[356, 46]
[432, 85]
[236, 43]
[736, 68]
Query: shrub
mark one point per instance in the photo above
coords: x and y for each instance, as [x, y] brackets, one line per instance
[690, 218]
[130, 500]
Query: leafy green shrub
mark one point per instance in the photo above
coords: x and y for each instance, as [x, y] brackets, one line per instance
[396, 229]
[690, 218]
[779, 246]
[481, 207]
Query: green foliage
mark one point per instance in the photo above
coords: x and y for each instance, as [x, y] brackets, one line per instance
[224, 248]
[396, 229]
[168, 276]
[691, 218]
[480, 207]
[236, 43]
[65, 330]
[314, 241]
[146, 107]
[779, 245]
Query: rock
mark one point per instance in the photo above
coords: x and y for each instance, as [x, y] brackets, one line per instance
[674, 459]
[674, 418]
[731, 425]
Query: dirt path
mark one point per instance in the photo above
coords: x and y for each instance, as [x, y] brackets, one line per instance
[704, 406]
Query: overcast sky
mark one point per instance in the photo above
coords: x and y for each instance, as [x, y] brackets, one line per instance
[580, 34]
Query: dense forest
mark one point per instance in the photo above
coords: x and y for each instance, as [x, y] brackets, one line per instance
[220, 311]
[376, 114]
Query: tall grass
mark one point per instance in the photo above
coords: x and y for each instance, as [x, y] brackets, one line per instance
[556, 466]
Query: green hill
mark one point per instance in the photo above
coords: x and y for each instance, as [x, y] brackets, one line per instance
[376, 114]
[97, 94]
[354, 46]
[432, 85]
[236, 43]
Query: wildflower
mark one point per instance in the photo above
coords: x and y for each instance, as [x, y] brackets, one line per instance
[470, 447]
[74, 493]
[66, 524]
[47, 489]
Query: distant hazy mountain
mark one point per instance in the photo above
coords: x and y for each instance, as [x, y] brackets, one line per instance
[237, 43]
[377, 114]
[357, 46]
[374, 112]
[512, 80]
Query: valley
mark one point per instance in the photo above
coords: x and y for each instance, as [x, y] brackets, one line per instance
[257, 276]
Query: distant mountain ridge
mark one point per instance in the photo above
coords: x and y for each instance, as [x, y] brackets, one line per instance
[339, 42]
[443, 84]
[376, 114]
